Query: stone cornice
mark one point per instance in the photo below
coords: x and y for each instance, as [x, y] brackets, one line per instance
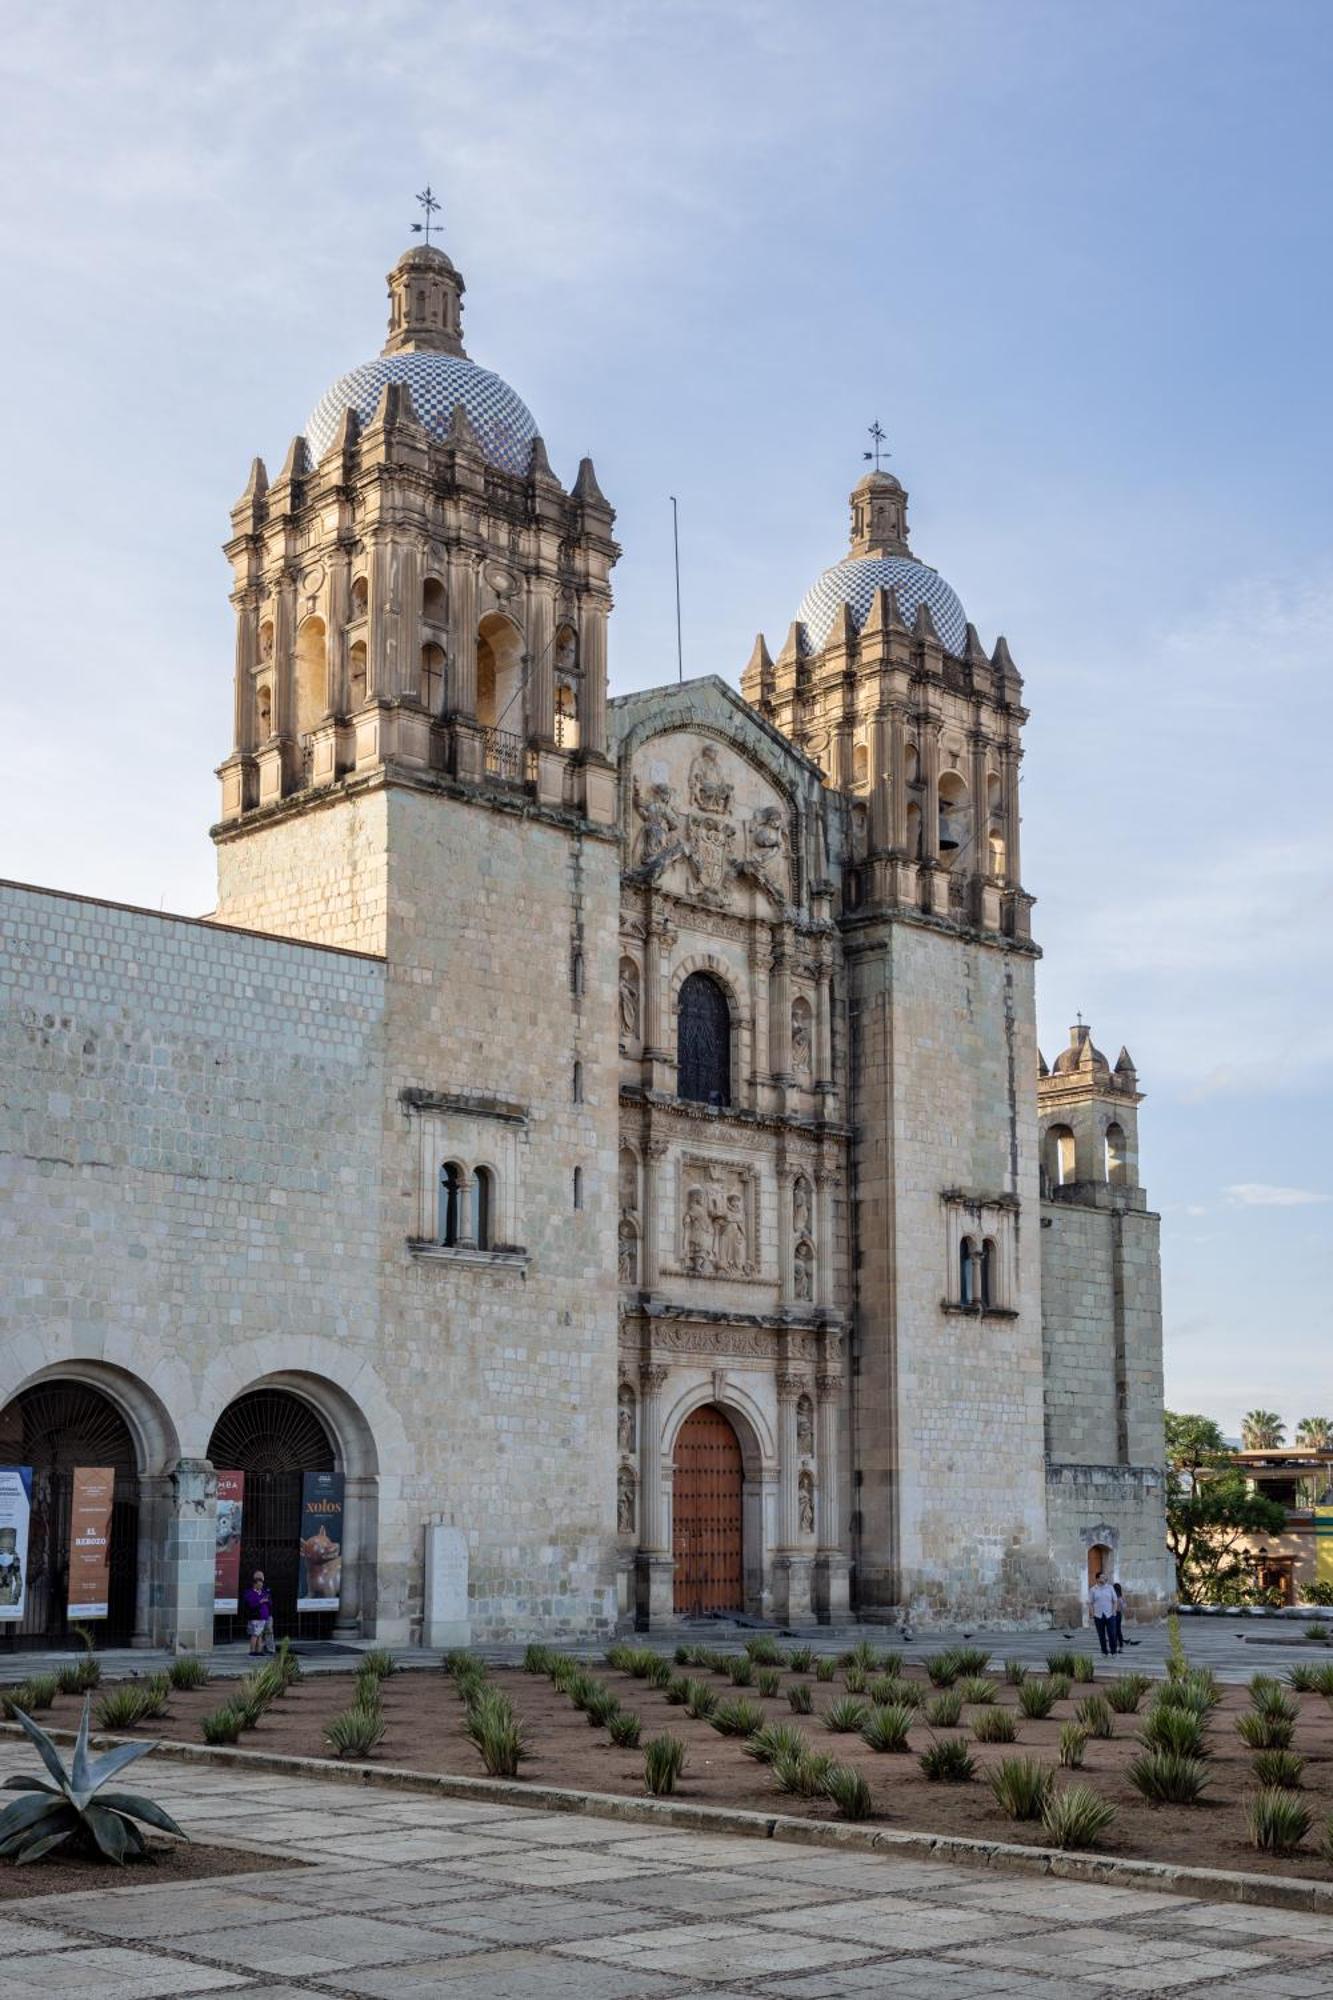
[506, 799]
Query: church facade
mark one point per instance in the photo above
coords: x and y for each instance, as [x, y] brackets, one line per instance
[611, 1135]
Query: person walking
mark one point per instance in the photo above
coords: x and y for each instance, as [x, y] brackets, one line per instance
[258, 1605]
[1119, 1617]
[1102, 1605]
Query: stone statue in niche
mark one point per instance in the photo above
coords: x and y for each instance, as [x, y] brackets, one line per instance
[763, 861]
[709, 790]
[800, 1038]
[628, 1253]
[625, 1500]
[629, 1000]
[625, 1418]
[805, 1496]
[629, 1182]
[801, 1217]
[803, 1273]
[805, 1427]
[566, 651]
[697, 1232]
[731, 1237]
[658, 821]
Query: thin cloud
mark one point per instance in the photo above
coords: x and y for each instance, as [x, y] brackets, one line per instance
[1258, 1194]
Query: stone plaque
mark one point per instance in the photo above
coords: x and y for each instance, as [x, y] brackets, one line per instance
[445, 1620]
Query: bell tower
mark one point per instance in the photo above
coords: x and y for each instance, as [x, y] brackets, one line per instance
[885, 684]
[420, 773]
[418, 599]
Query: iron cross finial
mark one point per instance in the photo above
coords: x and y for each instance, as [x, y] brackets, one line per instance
[431, 206]
[877, 436]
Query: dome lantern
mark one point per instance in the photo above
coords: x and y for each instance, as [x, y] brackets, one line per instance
[425, 304]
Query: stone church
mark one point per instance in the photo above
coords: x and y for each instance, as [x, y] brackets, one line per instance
[610, 1130]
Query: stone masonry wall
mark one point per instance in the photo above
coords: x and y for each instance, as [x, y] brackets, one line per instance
[189, 1163]
[500, 928]
[949, 1404]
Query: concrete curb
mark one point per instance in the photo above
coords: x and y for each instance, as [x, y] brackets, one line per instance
[1214, 1885]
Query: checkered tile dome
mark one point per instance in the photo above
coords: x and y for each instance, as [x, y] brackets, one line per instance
[439, 383]
[855, 581]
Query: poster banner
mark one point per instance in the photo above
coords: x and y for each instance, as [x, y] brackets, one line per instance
[90, 1542]
[321, 1542]
[15, 1508]
[227, 1555]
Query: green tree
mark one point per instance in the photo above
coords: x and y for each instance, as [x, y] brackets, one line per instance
[1210, 1514]
[1262, 1430]
[1315, 1433]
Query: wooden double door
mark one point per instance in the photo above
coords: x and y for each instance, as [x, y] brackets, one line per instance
[707, 1516]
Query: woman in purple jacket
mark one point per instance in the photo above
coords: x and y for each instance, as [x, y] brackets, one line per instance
[259, 1614]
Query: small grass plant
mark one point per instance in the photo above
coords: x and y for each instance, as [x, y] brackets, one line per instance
[1076, 1817]
[663, 1762]
[1021, 1786]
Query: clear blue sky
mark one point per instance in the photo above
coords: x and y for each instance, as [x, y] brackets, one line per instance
[1074, 257]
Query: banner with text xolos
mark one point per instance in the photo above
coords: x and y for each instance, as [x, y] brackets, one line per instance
[15, 1509]
[90, 1542]
[227, 1555]
[320, 1581]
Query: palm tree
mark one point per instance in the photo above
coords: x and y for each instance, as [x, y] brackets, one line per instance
[1315, 1433]
[1262, 1430]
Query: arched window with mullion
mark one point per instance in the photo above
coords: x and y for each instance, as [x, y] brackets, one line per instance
[703, 1041]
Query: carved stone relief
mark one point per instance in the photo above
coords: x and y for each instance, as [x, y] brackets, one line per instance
[742, 1343]
[718, 1221]
[658, 821]
[625, 1418]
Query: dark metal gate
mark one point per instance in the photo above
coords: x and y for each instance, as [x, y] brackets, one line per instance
[707, 1516]
[273, 1438]
[55, 1428]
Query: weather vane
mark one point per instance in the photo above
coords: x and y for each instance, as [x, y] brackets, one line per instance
[431, 206]
[877, 437]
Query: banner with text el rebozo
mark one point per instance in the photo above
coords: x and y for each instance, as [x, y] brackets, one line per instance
[227, 1554]
[320, 1580]
[90, 1542]
[15, 1510]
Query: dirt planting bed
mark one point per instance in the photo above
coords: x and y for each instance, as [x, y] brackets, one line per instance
[168, 1861]
[425, 1732]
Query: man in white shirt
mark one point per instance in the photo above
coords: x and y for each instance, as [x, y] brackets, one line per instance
[1101, 1603]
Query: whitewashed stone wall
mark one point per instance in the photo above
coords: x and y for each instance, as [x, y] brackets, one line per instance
[499, 926]
[190, 1179]
[948, 1404]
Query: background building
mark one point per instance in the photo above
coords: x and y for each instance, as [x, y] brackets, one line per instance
[610, 1132]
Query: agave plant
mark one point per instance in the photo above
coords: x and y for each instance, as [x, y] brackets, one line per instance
[57, 1811]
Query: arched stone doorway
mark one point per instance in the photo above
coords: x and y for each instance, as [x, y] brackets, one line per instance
[707, 1515]
[56, 1426]
[274, 1438]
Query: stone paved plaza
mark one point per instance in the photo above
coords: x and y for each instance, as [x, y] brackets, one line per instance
[411, 1897]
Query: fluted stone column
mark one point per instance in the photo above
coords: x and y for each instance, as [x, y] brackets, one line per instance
[541, 666]
[1009, 782]
[930, 773]
[831, 1563]
[883, 788]
[463, 635]
[792, 1565]
[650, 1244]
[779, 1007]
[655, 1592]
[592, 677]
